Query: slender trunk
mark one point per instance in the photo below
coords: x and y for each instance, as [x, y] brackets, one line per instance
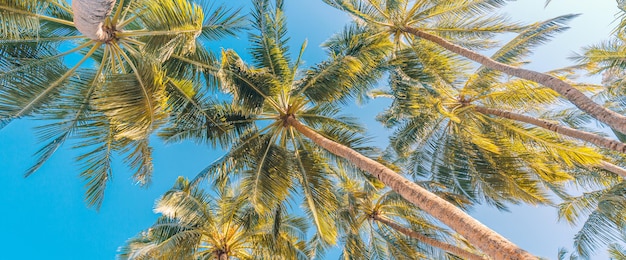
[89, 17]
[613, 168]
[429, 241]
[222, 256]
[578, 134]
[577, 98]
[480, 235]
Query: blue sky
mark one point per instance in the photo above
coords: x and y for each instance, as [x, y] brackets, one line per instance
[45, 216]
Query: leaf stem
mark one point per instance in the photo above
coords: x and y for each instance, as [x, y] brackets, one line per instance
[42, 17]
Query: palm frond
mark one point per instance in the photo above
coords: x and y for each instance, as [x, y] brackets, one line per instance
[607, 54]
[139, 158]
[320, 202]
[67, 114]
[135, 102]
[519, 47]
[173, 26]
[269, 47]
[355, 65]
[203, 121]
[250, 87]
[221, 21]
[21, 94]
[617, 252]
[19, 18]
[97, 138]
[267, 180]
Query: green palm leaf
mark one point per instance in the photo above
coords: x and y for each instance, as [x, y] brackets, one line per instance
[135, 102]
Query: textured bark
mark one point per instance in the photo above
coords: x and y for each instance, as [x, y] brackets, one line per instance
[613, 168]
[578, 134]
[430, 241]
[566, 90]
[478, 234]
[222, 256]
[89, 16]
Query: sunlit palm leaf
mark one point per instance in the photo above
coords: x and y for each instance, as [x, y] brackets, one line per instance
[267, 179]
[199, 226]
[320, 202]
[18, 18]
[249, 87]
[269, 47]
[135, 102]
[221, 21]
[139, 158]
[356, 62]
[176, 25]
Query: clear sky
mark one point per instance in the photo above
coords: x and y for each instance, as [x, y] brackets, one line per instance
[45, 216]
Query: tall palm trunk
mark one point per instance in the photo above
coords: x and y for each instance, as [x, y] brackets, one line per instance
[430, 241]
[478, 234]
[577, 98]
[89, 18]
[578, 134]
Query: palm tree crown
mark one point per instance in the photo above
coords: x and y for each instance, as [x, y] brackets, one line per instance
[118, 91]
[196, 225]
[265, 154]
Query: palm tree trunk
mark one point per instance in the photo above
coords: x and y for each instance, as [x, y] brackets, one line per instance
[577, 98]
[429, 241]
[480, 235]
[578, 134]
[222, 256]
[89, 17]
[613, 168]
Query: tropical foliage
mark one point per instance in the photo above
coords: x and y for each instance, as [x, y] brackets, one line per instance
[196, 225]
[107, 79]
[443, 132]
[446, 25]
[272, 162]
[379, 224]
[108, 96]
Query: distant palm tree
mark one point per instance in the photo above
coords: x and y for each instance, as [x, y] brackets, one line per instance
[455, 25]
[101, 79]
[382, 225]
[269, 128]
[600, 211]
[196, 225]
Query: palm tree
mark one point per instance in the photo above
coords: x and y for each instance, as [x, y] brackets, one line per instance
[445, 131]
[290, 109]
[375, 226]
[448, 25]
[101, 79]
[604, 209]
[196, 225]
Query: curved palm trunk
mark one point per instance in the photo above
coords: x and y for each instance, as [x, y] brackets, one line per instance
[89, 17]
[578, 134]
[430, 241]
[577, 98]
[480, 235]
